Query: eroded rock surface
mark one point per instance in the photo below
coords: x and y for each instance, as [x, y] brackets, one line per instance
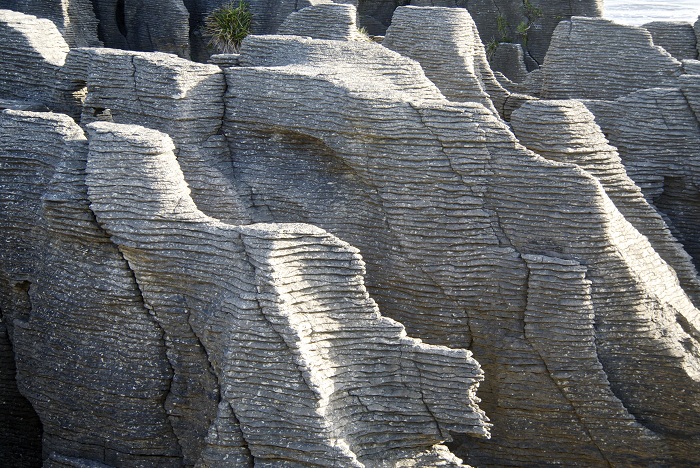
[75, 19]
[450, 205]
[32, 51]
[676, 37]
[299, 350]
[594, 58]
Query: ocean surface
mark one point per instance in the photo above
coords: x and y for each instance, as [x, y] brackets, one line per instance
[643, 11]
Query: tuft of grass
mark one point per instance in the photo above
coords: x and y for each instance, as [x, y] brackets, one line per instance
[228, 25]
[364, 34]
[491, 49]
[503, 29]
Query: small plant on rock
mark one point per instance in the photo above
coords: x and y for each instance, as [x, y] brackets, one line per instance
[228, 25]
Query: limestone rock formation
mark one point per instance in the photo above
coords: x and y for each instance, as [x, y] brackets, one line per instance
[593, 58]
[163, 92]
[90, 358]
[508, 59]
[645, 106]
[32, 51]
[445, 41]
[75, 19]
[676, 37]
[144, 25]
[658, 137]
[565, 131]
[456, 219]
[323, 21]
[183, 285]
[299, 350]
[214, 344]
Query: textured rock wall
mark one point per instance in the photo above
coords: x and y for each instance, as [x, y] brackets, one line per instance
[611, 60]
[412, 177]
[655, 130]
[182, 98]
[156, 279]
[75, 19]
[500, 20]
[143, 308]
[323, 21]
[565, 131]
[33, 51]
[677, 38]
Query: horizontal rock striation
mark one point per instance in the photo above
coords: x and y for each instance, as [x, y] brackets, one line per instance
[90, 358]
[676, 37]
[658, 137]
[446, 205]
[445, 41]
[32, 51]
[594, 58]
[304, 361]
[176, 96]
[75, 19]
[565, 131]
[324, 21]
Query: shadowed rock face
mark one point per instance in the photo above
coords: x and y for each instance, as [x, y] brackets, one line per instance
[676, 37]
[33, 51]
[450, 210]
[225, 345]
[75, 19]
[565, 131]
[90, 357]
[655, 130]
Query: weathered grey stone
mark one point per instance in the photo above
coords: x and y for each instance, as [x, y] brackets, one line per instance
[301, 354]
[164, 92]
[324, 21]
[658, 138]
[565, 131]
[32, 51]
[676, 37]
[696, 27]
[593, 58]
[445, 205]
[144, 25]
[691, 67]
[90, 358]
[75, 19]
[446, 43]
[508, 59]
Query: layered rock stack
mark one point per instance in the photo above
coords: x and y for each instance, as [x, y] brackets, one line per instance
[330, 252]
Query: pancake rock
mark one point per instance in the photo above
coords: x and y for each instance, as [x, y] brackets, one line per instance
[324, 21]
[508, 59]
[658, 137]
[176, 96]
[299, 350]
[250, 344]
[565, 131]
[593, 58]
[676, 37]
[445, 41]
[75, 19]
[471, 240]
[32, 51]
[89, 356]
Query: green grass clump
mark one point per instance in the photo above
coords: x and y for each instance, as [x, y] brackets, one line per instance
[228, 25]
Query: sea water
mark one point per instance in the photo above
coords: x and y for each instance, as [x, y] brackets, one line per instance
[643, 11]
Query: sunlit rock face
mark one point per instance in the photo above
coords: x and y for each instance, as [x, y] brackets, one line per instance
[411, 176]
[191, 260]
